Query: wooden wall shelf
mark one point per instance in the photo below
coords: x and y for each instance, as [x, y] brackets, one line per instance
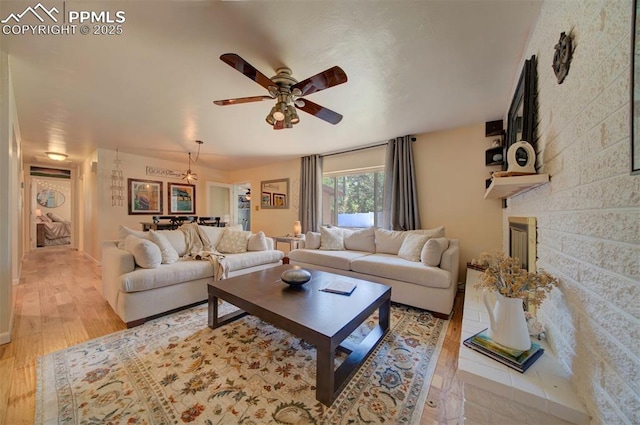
[506, 187]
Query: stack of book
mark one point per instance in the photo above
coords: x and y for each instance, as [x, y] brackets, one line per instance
[519, 360]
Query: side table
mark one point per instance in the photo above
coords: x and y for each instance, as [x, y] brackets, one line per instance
[293, 241]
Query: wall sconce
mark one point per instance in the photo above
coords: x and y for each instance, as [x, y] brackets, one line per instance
[297, 229]
[38, 212]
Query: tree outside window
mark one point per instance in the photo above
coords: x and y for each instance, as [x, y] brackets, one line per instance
[352, 199]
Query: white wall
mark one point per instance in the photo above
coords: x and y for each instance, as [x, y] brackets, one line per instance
[10, 199]
[451, 174]
[589, 214]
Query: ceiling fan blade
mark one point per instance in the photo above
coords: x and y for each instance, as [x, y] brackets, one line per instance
[247, 69]
[238, 100]
[329, 78]
[319, 111]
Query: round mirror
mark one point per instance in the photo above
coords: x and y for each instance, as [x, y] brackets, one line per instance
[50, 198]
[522, 156]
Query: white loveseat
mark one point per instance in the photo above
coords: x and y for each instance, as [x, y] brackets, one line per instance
[139, 287]
[421, 266]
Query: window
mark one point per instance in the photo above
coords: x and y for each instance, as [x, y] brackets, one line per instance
[353, 199]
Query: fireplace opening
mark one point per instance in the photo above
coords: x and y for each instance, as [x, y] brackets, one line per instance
[522, 241]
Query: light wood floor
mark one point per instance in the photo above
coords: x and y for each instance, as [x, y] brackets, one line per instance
[58, 304]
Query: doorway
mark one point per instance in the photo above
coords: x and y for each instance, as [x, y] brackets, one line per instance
[51, 209]
[219, 201]
[243, 205]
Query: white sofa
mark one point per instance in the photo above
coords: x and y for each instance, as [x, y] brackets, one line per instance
[422, 270]
[139, 293]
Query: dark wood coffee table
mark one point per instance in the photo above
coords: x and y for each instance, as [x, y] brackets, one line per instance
[320, 318]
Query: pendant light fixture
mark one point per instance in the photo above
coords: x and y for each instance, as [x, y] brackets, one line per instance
[188, 175]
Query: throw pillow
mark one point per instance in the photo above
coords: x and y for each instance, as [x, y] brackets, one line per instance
[55, 217]
[360, 240]
[312, 240]
[176, 239]
[432, 252]
[412, 247]
[145, 253]
[436, 232]
[331, 238]
[389, 241]
[257, 242]
[233, 241]
[124, 231]
[169, 254]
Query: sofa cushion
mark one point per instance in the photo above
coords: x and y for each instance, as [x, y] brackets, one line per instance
[360, 240]
[252, 259]
[412, 246]
[436, 232]
[233, 241]
[145, 253]
[165, 275]
[394, 267]
[257, 242]
[169, 254]
[177, 240]
[124, 231]
[55, 217]
[312, 240]
[335, 259]
[432, 251]
[213, 233]
[331, 238]
[389, 241]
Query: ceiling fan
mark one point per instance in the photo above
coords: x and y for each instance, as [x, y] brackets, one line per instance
[287, 91]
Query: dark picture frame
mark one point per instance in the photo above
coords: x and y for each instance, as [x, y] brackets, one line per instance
[181, 198]
[522, 112]
[144, 197]
[635, 90]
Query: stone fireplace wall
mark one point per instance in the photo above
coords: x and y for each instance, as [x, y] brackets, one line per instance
[588, 216]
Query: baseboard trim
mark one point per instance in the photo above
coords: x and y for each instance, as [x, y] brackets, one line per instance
[5, 338]
[98, 263]
[16, 281]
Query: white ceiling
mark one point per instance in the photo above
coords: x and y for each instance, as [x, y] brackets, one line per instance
[413, 67]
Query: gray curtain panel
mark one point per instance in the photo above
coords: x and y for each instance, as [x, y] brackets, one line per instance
[400, 203]
[310, 193]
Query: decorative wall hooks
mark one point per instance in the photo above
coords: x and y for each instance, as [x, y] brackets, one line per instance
[562, 56]
[117, 183]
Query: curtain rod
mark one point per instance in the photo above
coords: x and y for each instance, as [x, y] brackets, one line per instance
[413, 139]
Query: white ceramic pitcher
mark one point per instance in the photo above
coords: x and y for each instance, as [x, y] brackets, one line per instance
[508, 325]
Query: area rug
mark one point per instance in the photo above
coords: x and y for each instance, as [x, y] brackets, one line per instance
[176, 370]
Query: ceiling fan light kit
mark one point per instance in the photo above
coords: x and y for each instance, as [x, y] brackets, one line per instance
[287, 92]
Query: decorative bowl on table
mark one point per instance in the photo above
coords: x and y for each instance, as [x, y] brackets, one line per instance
[295, 277]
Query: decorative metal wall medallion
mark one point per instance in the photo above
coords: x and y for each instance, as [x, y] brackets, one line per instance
[562, 57]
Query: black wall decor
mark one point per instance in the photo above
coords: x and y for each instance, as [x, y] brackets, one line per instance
[562, 56]
[522, 113]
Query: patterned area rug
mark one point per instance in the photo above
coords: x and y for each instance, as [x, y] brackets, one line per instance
[176, 370]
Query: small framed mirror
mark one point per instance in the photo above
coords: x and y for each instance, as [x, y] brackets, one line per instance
[50, 198]
[274, 194]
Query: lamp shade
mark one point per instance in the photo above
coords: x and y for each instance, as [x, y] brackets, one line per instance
[297, 228]
[38, 212]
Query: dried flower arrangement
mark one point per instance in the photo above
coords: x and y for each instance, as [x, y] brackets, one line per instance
[505, 275]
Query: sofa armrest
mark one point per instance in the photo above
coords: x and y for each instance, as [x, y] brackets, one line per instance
[271, 243]
[115, 263]
[450, 260]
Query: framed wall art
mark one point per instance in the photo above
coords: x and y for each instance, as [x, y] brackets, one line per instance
[275, 194]
[144, 196]
[182, 198]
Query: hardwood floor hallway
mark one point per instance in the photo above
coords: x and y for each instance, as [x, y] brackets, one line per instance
[59, 304]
